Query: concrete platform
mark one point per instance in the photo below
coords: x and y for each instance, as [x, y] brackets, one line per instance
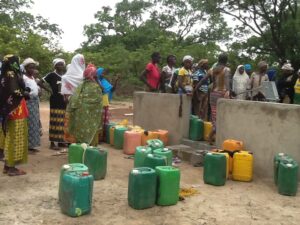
[198, 145]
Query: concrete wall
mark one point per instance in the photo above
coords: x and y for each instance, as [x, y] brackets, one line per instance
[265, 128]
[160, 111]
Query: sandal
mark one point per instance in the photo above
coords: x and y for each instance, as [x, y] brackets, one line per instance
[15, 172]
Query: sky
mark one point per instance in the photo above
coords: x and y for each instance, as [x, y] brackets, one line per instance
[71, 16]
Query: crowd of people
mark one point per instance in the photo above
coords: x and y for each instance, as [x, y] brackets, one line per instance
[79, 105]
[207, 83]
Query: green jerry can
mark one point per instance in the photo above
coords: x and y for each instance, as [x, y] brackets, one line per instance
[196, 131]
[168, 185]
[153, 161]
[75, 153]
[155, 144]
[119, 137]
[75, 167]
[76, 193]
[142, 188]
[140, 155]
[288, 177]
[107, 133]
[214, 169]
[96, 160]
[165, 152]
[277, 159]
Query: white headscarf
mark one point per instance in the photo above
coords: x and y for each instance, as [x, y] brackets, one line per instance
[29, 61]
[58, 60]
[73, 76]
[287, 66]
[241, 83]
[188, 57]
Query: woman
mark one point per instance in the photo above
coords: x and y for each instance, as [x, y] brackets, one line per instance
[240, 83]
[256, 80]
[220, 77]
[285, 85]
[85, 109]
[57, 104]
[34, 125]
[167, 73]
[70, 81]
[14, 113]
[107, 89]
[297, 90]
[184, 82]
[200, 96]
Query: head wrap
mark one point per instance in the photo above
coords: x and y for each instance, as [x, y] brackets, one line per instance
[73, 76]
[247, 67]
[187, 58]
[100, 71]
[90, 72]
[58, 60]
[287, 66]
[28, 61]
[202, 62]
[237, 71]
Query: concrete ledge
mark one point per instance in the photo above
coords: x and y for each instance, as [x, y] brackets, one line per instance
[203, 145]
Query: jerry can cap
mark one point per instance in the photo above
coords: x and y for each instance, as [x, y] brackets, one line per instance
[289, 165]
[281, 154]
[135, 171]
[165, 149]
[150, 155]
[156, 143]
[84, 174]
[143, 149]
[66, 167]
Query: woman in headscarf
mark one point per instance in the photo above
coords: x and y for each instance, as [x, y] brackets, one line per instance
[256, 80]
[57, 103]
[240, 83]
[34, 125]
[184, 82]
[107, 90]
[13, 113]
[285, 85]
[220, 77]
[70, 81]
[297, 89]
[85, 109]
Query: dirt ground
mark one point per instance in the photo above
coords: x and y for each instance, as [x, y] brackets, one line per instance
[32, 199]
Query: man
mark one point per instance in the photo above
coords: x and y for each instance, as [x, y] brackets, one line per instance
[57, 104]
[151, 75]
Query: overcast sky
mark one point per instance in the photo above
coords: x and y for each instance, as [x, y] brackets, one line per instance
[71, 16]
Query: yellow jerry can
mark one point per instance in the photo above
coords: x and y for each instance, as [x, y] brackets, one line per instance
[207, 130]
[111, 135]
[242, 166]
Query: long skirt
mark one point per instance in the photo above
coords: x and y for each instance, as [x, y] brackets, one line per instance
[34, 125]
[56, 126]
[67, 136]
[15, 142]
[214, 97]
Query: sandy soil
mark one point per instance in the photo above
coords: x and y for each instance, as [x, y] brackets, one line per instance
[32, 199]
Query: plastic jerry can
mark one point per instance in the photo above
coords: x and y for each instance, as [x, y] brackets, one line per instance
[196, 130]
[140, 155]
[119, 137]
[96, 160]
[163, 135]
[75, 152]
[132, 139]
[107, 133]
[75, 167]
[165, 152]
[142, 188]
[148, 135]
[153, 161]
[155, 144]
[76, 193]
[111, 135]
[168, 185]
[277, 159]
[288, 178]
[214, 169]
[233, 145]
[207, 130]
[228, 163]
[242, 166]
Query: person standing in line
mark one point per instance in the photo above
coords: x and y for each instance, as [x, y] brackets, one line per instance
[297, 89]
[151, 75]
[69, 82]
[34, 125]
[13, 116]
[285, 85]
[184, 82]
[256, 80]
[167, 74]
[241, 83]
[248, 69]
[57, 104]
[200, 96]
